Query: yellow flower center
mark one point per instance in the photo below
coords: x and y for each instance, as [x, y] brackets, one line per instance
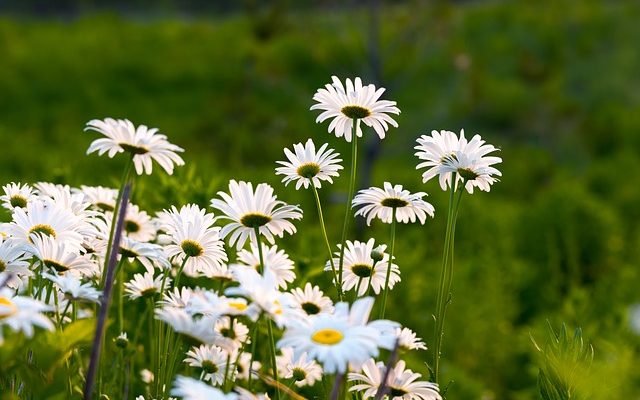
[43, 229]
[308, 170]
[191, 248]
[237, 305]
[18, 200]
[7, 308]
[327, 336]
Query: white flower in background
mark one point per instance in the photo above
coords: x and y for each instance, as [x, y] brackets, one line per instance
[304, 372]
[401, 382]
[46, 218]
[244, 394]
[445, 153]
[231, 339]
[22, 313]
[137, 224]
[311, 300]
[359, 266]
[307, 166]
[73, 288]
[179, 297]
[340, 339]
[146, 376]
[276, 261]
[242, 366]
[342, 104]
[408, 340]
[17, 195]
[101, 198]
[380, 203]
[634, 318]
[14, 263]
[198, 328]
[145, 285]
[60, 258]
[192, 389]
[193, 236]
[210, 359]
[248, 210]
[150, 255]
[48, 189]
[63, 197]
[142, 143]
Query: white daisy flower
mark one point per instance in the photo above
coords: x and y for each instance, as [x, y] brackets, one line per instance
[306, 166]
[193, 236]
[145, 285]
[200, 329]
[244, 394]
[276, 261]
[381, 203]
[101, 198]
[192, 389]
[401, 382]
[231, 339]
[49, 189]
[150, 255]
[445, 153]
[179, 297]
[74, 289]
[48, 219]
[60, 258]
[355, 101]
[62, 196]
[146, 376]
[408, 340]
[304, 372]
[22, 313]
[340, 339]
[14, 263]
[359, 266]
[137, 224]
[17, 195]
[242, 366]
[212, 360]
[311, 300]
[142, 143]
[248, 210]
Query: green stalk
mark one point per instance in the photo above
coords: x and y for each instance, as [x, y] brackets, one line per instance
[352, 182]
[446, 275]
[253, 350]
[326, 241]
[386, 281]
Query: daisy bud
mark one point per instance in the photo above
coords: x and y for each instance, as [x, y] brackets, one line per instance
[121, 341]
[377, 254]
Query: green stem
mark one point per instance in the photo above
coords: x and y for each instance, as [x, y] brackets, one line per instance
[386, 281]
[254, 337]
[272, 347]
[178, 275]
[446, 275]
[355, 297]
[352, 182]
[64, 312]
[261, 267]
[326, 241]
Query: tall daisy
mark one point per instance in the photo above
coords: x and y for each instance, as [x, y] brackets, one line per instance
[301, 370]
[101, 198]
[307, 166]
[212, 360]
[144, 285]
[344, 104]
[61, 259]
[446, 154]
[142, 143]
[17, 195]
[401, 383]
[254, 212]
[311, 300]
[383, 202]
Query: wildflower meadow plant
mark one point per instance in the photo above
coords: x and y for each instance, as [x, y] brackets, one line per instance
[191, 302]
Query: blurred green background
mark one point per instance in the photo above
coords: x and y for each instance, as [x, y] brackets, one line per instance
[554, 84]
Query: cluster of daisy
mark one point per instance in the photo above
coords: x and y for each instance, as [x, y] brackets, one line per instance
[224, 317]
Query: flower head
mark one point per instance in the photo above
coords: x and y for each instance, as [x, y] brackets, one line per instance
[446, 154]
[248, 210]
[142, 143]
[303, 371]
[381, 203]
[212, 360]
[354, 101]
[73, 288]
[17, 195]
[144, 285]
[311, 300]
[306, 166]
[276, 261]
[22, 313]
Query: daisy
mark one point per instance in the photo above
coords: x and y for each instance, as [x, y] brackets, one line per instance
[101, 198]
[192, 389]
[74, 289]
[304, 372]
[194, 328]
[340, 339]
[17, 195]
[276, 261]
[359, 266]
[142, 143]
[231, 338]
[14, 263]
[408, 340]
[60, 258]
[150, 255]
[401, 382]
[249, 211]
[137, 224]
[146, 376]
[194, 239]
[179, 297]
[355, 102]
[22, 314]
[40, 218]
[211, 359]
[311, 300]
[445, 153]
[242, 366]
[306, 166]
[383, 203]
[145, 285]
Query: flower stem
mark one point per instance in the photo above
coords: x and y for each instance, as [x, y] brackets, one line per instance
[256, 229]
[386, 281]
[352, 183]
[272, 347]
[446, 275]
[253, 351]
[326, 241]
